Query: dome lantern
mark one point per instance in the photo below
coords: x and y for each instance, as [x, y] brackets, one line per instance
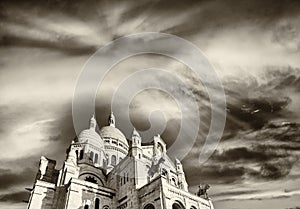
[93, 122]
[112, 120]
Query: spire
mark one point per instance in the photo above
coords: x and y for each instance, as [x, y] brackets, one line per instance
[179, 168]
[136, 138]
[112, 120]
[135, 133]
[93, 122]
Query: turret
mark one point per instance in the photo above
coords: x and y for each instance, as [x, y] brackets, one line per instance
[69, 169]
[136, 147]
[181, 176]
[159, 146]
[136, 138]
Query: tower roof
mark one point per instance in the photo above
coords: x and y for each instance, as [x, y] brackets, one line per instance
[135, 133]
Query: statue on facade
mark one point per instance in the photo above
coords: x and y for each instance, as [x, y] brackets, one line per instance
[202, 191]
[155, 166]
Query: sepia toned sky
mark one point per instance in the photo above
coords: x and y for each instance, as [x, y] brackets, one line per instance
[254, 46]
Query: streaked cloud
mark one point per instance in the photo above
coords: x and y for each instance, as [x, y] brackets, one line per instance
[254, 46]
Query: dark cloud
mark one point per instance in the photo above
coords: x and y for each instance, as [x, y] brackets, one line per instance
[197, 16]
[212, 173]
[9, 178]
[254, 153]
[258, 148]
[282, 132]
[276, 169]
[67, 45]
[263, 154]
[16, 197]
[215, 15]
[258, 111]
[254, 105]
[228, 193]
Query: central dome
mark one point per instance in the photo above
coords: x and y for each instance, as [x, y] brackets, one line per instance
[113, 133]
[115, 143]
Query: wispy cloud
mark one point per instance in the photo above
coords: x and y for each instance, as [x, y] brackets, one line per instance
[254, 46]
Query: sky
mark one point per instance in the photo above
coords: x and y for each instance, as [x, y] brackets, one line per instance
[254, 46]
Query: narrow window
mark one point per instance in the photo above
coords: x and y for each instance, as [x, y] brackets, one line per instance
[97, 203]
[92, 155]
[164, 172]
[81, 154]
[107, 159]
[173, 181]
[86, 207]
[113, 160]
[96, 158]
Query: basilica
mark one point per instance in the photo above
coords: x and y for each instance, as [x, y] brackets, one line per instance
[105, 170]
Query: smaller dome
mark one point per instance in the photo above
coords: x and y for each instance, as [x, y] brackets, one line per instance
[92, 137]
[114, 133]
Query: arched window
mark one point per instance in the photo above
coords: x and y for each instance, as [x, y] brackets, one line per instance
[173, 181]
[92, 155]
[113, 160]
[164, 172]
[86, 207]
[97, 203]
[91, 179]
[81, 154]
[107, 159]
[149, 206]
[104, 163]
[96, 158]
[177, 205]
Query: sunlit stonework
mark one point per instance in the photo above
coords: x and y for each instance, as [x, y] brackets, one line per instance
[104, 170]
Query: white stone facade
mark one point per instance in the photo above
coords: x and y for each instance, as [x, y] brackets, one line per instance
[104, 170]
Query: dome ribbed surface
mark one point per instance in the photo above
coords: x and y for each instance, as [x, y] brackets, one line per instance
[114, 133]
[92, 137]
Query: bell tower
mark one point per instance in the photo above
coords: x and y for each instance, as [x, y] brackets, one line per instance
[136, 147]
